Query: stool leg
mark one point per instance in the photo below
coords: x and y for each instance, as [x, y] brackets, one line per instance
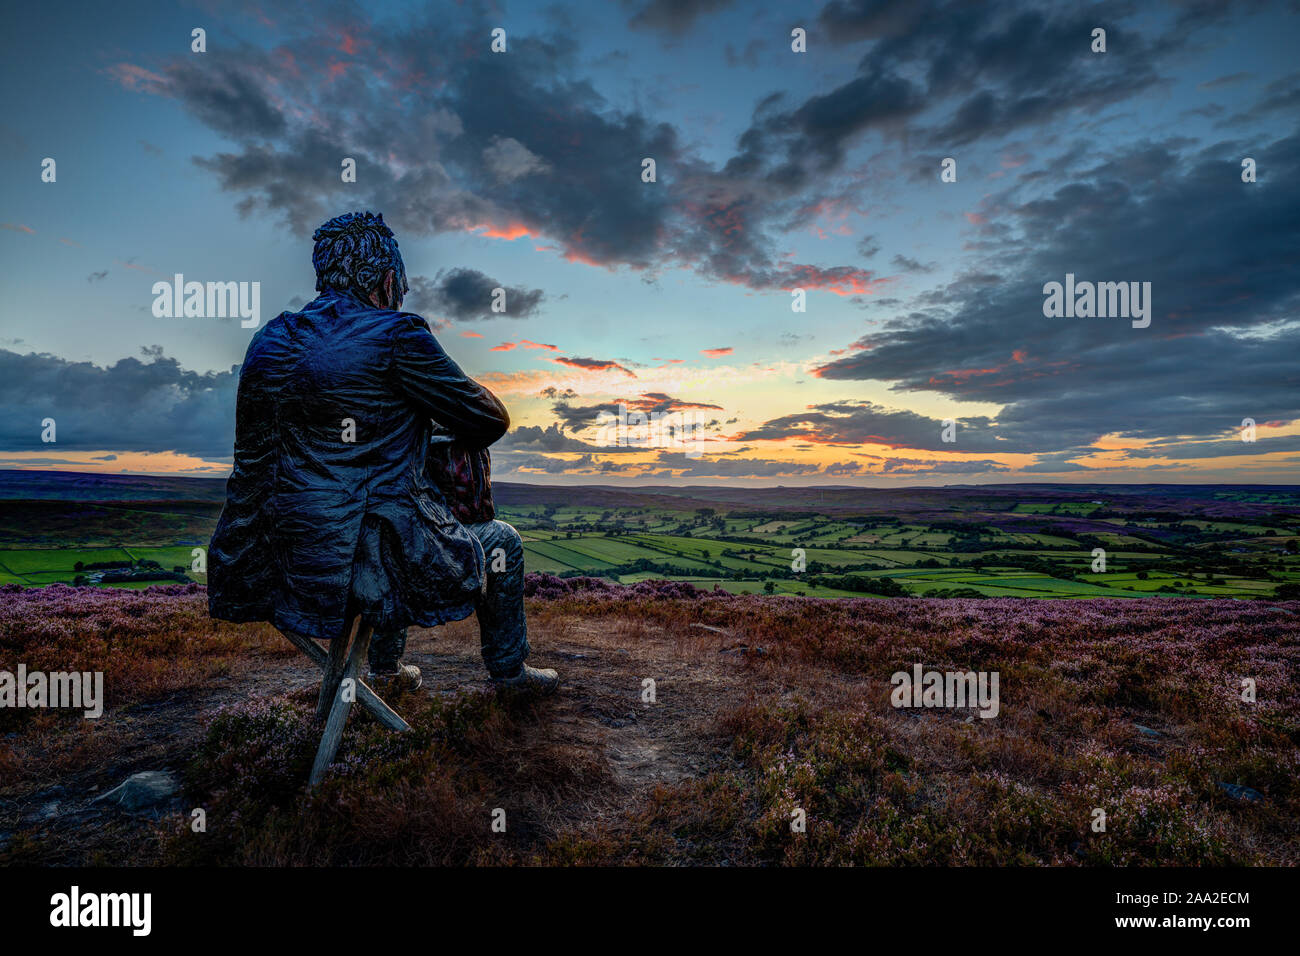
[365, 696]
[338, 718]
[333, 672]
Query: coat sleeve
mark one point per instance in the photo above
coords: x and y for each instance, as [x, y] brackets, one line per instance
[436, 386]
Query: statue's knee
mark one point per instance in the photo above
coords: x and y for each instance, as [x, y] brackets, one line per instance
[507, 550]
[511, 540]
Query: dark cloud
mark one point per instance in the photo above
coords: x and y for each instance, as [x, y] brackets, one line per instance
[1223, 343]
[220, 92]
[575, 417]
[852, 423]
[1216, 449]
[503, 146]
[947, 73]
[1281, 95]
[1219, 82]
[153, 406]
[508, 463]
[550, 439]
[466, 295]
[674, 17]
[908, 264]
[1055, 464]
[918, 466]
[552, 392]
[748, 57]
[583, 416]
[593, 364]
[705, 467]
[462, 142]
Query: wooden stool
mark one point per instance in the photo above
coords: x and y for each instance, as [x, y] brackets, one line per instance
[334, 703]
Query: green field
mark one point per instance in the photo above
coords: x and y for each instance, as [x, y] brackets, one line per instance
[1033, 545]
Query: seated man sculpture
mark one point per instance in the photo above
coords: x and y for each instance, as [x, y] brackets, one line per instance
[361, 481]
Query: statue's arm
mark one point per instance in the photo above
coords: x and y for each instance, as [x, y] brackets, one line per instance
[436, 386]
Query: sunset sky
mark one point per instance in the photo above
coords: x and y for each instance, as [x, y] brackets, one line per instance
[776, 170]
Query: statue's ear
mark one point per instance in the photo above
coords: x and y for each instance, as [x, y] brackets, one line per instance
[389, 285]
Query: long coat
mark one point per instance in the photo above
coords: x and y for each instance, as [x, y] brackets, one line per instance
[331, 510]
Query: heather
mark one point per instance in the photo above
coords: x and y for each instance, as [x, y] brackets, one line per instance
[148, 642]
[766, 705]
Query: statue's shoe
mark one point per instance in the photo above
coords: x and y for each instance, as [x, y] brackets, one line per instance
[537, 680]
[406, 677]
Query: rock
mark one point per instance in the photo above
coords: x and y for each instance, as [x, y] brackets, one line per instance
[1147, 731]
[142, 790]
[710, 627]
[1238, 792]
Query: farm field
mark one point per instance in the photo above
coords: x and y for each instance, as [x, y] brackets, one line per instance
[1049, 541]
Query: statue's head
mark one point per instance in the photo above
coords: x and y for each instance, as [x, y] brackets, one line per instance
[357, 253]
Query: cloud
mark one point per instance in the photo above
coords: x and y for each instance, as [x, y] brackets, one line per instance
[152, 406]
[908, 264]
[1217, 253]
[466, 295]
[1230, 447]
[552, 438]
[1219, 82]
[509, 159]
[593, 364]
[551, 391]
[748, 57]
[946, 73]
[673, 17]
[914, 466]
[853, 423]
[576, 417]
[427, 123]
